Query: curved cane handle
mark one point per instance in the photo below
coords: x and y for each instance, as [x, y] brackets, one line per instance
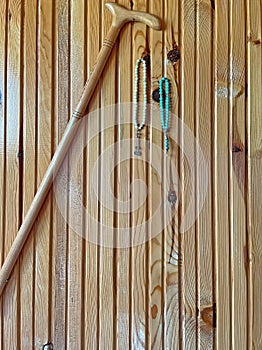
[122, 15]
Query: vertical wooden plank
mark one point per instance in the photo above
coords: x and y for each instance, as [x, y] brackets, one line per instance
[60, 224]
[11, 293]
[106, 284]
[204, 87]
[77, 70]
[3, 54]
[44, 152]
[238, 187]
[171, 253]
[27, 260]
[140, 303]
[156, 246]
[3, 96]
[221, 176]
[92, 262]
[188, 238]
[123, 255]
[254, 129]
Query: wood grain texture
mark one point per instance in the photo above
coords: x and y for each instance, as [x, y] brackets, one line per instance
[223, 234]
[254, 27]
[44, 149]
[107, 292]
[11, 321]
[123, 262]
[238, 222]
[198, 289]
[157, 245]
[140, 269]
[3, 78]
[60, 237]
[92, 262]
[188, 239]
[172, 257]
[27, 260]
[204, 132]
[75, 241]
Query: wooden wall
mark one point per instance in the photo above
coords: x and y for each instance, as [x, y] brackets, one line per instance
[199, 289]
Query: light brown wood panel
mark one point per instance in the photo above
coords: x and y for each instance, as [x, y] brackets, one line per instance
[253, 132]
[27, 260]
[181, 290]
[62, 106]
[3, 68]
[223, 233]
[11, 317]
[156, 246]
[171, 255]
[107, 292]
[204, 129]
[92, 264]
[75, 241]
[222, 138]
[44, 148]
[123, 172]
[140, 268]
[188, 178]
[238, 223]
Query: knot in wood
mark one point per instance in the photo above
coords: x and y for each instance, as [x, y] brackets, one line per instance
[174, 55]
[156, 95]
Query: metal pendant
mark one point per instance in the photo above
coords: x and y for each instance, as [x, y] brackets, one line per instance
[137, 147]
[137, 152]
[172, 198]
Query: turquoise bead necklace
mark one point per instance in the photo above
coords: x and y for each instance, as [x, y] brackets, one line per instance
[165, 108]
[165, 117]
[139, 126]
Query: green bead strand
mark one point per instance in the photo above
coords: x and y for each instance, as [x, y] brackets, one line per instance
[165, 108]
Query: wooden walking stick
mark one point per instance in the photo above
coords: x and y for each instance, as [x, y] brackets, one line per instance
[121, 16]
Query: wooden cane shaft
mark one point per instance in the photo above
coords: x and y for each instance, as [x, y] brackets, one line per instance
[37, 202]
[57, 159]
[97, 70]
[120, 17]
